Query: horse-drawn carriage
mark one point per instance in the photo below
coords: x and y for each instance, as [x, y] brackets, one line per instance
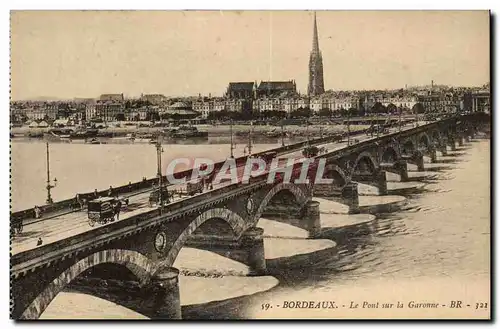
[16, 225]
[310, 151]
[154, 197]
[196, 186]
[102, 210]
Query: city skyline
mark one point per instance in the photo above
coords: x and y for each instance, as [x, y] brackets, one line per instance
[84, 54]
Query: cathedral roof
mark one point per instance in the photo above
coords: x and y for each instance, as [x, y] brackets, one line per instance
[276, 85]
[240, 86]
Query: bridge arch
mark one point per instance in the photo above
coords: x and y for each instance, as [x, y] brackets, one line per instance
[364, 161]
[424, 141]
[234, 220]
[300, 197]
[390, 154]
[333, 171]
[408, 147]
[138, 264]
[436, 137]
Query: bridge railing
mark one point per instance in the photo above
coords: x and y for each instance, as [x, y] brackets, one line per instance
[74, 241]
[147, 183]
[144, 184]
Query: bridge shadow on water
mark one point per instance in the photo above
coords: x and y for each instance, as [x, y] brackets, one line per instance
[314, 269]
[356, 247]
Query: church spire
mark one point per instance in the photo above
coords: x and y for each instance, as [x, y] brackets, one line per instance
[315, 48]
[316, 84]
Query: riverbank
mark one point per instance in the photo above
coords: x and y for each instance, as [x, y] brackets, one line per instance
[213, 130]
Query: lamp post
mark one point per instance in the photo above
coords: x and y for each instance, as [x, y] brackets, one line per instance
[249, 146]
[159, 151]
[378, 124]
[400, 122]
[348, 128]
[49, 186]
[307, 131]
[231, 131]
[282, 134]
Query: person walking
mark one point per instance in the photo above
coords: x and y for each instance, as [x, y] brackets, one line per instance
[79, 201]
[118, 206]
[37, 212]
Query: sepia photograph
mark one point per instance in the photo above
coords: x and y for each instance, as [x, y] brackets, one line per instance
[250, 164]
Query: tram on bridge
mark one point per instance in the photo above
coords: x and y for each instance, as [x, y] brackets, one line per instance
[102, 210]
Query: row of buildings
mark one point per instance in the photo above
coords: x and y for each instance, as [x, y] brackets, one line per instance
[153, 107]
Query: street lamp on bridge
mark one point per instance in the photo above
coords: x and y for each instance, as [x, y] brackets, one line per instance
[249, 146]
[282, 134]
[231, 132]
[348, 128]
[159, 151]
[400, 113]
[49, 186]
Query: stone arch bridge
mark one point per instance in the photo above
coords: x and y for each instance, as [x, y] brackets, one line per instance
[223, 221]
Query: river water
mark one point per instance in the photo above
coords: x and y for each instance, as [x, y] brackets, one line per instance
[435, 250]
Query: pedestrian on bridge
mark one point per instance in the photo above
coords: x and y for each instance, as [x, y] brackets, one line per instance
[110, 191]
[79, 200]
[118, 207]
[38, 212]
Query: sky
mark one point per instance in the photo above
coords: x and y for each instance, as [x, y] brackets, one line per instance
[67, 54]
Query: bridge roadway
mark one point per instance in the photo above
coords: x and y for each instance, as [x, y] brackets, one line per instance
[62, 226]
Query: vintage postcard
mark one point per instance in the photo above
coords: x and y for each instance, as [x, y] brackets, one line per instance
[204, 165]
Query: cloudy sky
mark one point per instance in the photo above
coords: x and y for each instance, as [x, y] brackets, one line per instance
[84, 54]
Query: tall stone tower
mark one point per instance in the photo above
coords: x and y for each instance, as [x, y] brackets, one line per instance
[316, 83]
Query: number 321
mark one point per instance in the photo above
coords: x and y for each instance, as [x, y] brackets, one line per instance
[481, 305]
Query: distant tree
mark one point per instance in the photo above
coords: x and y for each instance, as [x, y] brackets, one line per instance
[353, 112]
[418, 108]
[325, 112]
[362, 111]
[378, 108]
[391, 108]
[120, 117]
[301, 113]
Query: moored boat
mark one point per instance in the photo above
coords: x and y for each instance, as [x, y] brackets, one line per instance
[188, 132]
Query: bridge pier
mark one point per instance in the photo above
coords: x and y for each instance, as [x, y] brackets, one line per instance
[376, 179]
[431, 152]
[249, 249]
[460, 140]
[399, 167]
[312, 218]
[253, 244]
[442, 149]
[350, 197]
[451, 143]
[164, 292]
[381, 181]
[416, 159]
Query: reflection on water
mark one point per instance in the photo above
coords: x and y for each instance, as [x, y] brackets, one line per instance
[440, 244]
